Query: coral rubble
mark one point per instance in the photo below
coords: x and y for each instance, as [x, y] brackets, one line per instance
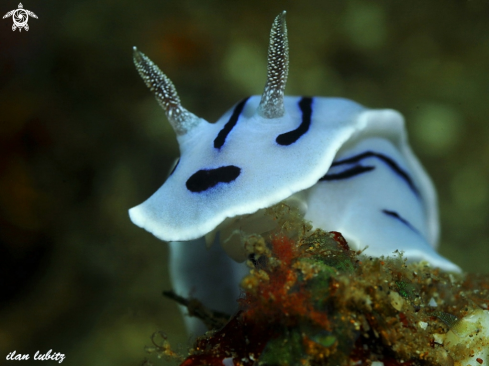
[310, 300]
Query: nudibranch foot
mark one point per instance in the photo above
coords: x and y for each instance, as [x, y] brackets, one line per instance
[207, 274]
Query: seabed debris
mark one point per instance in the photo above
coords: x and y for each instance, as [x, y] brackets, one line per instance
[310, 300]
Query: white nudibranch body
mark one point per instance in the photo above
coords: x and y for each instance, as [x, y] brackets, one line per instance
[348, 168]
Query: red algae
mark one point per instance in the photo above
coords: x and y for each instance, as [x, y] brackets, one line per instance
[284, 250]
[279, 296]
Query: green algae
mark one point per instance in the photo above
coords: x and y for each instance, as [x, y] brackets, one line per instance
[406, 289]
[284, 350]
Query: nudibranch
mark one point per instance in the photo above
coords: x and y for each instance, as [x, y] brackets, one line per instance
[348, 168]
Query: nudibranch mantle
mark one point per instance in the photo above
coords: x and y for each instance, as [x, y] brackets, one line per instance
[351, 166]
[268, 172]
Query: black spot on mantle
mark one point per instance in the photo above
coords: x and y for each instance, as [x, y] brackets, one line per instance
[288, 138]
[221, 136]
[207, 178]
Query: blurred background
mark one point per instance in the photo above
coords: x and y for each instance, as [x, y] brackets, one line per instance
[82, 140]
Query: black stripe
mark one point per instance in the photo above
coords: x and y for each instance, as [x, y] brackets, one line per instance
[356, 170]
[221, 136]
[207, 178]
[401, 219]
[290, 137]
[391, 163]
